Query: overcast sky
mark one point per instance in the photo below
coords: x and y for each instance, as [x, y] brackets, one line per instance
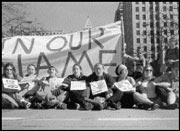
[72, 16]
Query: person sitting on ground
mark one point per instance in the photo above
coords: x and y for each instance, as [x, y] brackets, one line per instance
[146, 97]
[121, 97]
[44, 96]
[100, 84]
[10, 97]
[29, 82]
[167, 85]
[77, 96]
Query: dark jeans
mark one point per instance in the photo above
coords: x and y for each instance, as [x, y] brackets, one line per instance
[77, 96]
[126, 98]
[162, 93]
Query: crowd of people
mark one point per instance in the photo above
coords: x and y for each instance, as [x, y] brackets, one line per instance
[98, 91]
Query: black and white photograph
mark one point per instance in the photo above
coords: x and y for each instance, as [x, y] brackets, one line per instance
[90, 65]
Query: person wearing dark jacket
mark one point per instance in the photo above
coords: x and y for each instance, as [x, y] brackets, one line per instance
[99, 76]
[78, 94]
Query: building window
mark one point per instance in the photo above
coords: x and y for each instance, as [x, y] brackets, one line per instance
[170, 8]
[157, 24]
[144, 9]
[137, 2]
[151, 24]
[165, 24]
[151, 8]
[165, 32]
[164, 8]
[157, 8]
[172, 24]
[157, 16]
[145, 48]
[137, 25]
[137, 9]
[164, 2]
[171, 16]
[145, 40]
[137, 17]
[138, 32]
[165, 40]
[157, 40]
[144, 32]
[138, 40]
[151, 16]
[165, 17]
[152, 32]
[152, 40]
[144, 24]
[172, 32]
[157, 33]
[143, 3]
[144, 17]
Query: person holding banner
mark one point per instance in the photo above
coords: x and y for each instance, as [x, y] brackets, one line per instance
[123, 90]
[10, 88]
[100, 87]
[78, 90]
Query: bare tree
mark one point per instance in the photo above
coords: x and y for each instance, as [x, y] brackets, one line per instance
[15, 20]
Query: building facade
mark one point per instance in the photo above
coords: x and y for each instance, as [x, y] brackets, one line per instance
[149, 25]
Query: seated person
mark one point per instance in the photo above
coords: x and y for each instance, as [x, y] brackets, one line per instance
[122, 96]
[99, 76]
[44, 94]
[166, 85]
[146, 97]
[10, 97]
[77, 96]
[28, 83]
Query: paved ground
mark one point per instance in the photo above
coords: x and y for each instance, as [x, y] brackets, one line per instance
[79, 120]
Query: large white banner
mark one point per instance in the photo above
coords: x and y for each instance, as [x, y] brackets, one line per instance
[87, 47]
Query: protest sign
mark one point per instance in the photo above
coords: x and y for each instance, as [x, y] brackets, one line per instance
[10, 85]
[78, 85]
[98, 87]
[124, 85]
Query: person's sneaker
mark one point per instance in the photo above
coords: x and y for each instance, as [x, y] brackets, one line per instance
[172, 106]
[153, 107]
[88, 106]
[117, 105]
[77, 106]
[61, 106]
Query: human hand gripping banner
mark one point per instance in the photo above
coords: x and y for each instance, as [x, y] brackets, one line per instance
[87, 47]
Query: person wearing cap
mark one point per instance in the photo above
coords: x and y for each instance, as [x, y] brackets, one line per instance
[98, 100]
[122, 98]
[167, 85]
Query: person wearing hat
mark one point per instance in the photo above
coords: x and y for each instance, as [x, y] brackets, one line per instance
[123, 98]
